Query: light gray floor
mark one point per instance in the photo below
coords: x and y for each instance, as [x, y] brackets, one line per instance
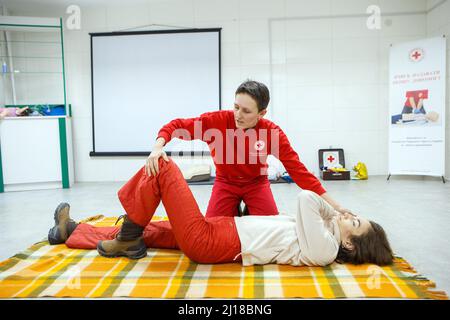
[415, 212]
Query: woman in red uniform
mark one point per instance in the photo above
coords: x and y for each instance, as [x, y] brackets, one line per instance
[240, 141]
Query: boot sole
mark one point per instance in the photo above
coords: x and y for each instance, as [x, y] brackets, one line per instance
[61, 217]
[138, 254]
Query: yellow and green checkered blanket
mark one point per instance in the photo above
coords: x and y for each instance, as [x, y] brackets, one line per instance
[57, 271]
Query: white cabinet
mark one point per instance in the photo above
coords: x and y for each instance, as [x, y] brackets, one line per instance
[36, 153]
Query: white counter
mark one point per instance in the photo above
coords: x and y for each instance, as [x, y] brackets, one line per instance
[36, 153]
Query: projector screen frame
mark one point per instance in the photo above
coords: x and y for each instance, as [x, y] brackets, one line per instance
[125, 33]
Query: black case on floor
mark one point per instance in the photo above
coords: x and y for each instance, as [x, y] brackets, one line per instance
[327, 175]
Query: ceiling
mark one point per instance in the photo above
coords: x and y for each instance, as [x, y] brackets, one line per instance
[66, 3]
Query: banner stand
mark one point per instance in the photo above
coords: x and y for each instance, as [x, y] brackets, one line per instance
[417, 89]
[443, 178]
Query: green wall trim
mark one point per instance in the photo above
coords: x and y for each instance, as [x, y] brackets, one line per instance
[27, 25]
[64, 156]
[62, 55]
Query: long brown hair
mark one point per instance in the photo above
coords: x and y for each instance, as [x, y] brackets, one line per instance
[370, 247]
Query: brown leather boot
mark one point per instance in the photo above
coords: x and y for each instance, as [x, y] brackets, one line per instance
[128, 242]
[64, 225]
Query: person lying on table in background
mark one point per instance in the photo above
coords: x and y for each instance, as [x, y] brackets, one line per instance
[14, 112]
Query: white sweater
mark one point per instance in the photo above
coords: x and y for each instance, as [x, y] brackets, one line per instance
[310, 237]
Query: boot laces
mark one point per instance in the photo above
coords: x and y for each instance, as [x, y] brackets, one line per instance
[120, 218]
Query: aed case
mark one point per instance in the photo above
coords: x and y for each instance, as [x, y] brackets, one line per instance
[329, 175]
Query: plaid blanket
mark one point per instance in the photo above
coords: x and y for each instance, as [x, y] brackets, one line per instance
[56, 271]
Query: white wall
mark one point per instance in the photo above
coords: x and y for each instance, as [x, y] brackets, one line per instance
[438, 23]
[328, 71]
[334, 77]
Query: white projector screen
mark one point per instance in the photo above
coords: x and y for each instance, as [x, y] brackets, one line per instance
[143, 80]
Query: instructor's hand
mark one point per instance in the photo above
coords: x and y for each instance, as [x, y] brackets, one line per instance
[151, 167]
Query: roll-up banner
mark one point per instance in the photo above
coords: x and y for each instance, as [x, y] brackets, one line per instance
[417, 74]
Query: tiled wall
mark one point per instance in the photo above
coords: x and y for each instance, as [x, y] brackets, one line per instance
[328, 72]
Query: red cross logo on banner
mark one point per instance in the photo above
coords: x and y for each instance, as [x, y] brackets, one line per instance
[416, 54]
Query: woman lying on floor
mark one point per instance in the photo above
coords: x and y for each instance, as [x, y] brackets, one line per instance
[316, 236]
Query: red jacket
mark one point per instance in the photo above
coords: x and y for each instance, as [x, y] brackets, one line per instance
[235, 162]
[415, 95]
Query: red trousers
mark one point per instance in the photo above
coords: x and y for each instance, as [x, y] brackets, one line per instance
[203, 240]
[156, 235]
[256, 195]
